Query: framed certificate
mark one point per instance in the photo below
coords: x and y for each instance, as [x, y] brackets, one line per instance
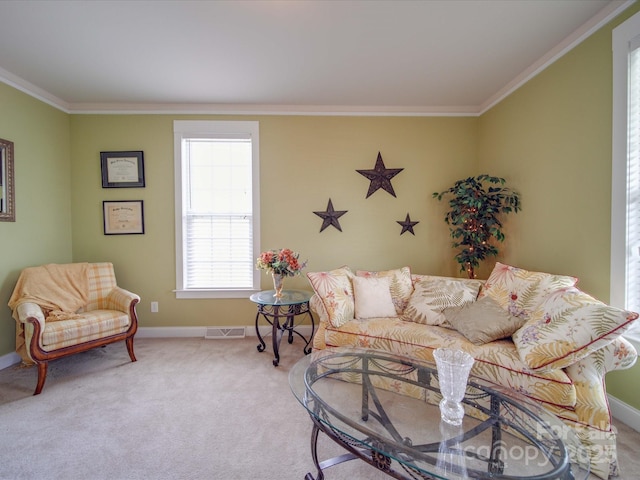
[122, 169]
[123, 217]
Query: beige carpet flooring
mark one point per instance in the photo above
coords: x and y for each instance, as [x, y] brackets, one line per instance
[187, 409]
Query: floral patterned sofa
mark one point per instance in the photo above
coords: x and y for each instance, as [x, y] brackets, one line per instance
[533, 332]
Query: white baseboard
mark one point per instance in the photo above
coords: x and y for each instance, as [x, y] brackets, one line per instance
[183, 332]
[9, 359]
[625, 413]
[169, 332]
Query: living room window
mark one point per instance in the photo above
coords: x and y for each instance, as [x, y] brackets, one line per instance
[217, 208]
[625, 201]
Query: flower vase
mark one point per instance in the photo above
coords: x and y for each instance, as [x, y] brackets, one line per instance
[453, 372]
[278, 283]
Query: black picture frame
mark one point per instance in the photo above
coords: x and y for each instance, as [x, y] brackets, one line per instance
[123, 217]
[122, 169]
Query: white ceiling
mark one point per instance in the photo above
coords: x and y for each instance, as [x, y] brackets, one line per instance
[418, 56]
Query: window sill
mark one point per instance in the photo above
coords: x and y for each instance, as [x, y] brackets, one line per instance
[186, 294]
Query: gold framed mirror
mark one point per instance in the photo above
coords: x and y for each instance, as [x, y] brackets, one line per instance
[7, 194]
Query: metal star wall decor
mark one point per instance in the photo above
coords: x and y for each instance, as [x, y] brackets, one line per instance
[330, 216]
[380, 177]
[407, 225]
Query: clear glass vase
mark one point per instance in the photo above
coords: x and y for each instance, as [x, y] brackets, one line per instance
[453, 372]
[278, 284]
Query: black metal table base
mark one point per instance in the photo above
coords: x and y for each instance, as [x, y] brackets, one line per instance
[378, 461]
[272, 314]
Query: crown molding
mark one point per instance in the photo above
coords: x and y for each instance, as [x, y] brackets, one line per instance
[33, 90]
[256, 109]
[604, 16]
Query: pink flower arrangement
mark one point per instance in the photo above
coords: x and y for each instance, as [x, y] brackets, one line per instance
[281, 262]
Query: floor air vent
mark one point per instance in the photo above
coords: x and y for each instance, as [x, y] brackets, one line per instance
[224, 332]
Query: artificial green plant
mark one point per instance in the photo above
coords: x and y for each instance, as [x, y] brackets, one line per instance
[475, 207]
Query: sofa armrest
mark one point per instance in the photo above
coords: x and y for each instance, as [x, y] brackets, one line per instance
[121, 300]
[617, 355]
[31, 319]
[27, 310]
[587, 375]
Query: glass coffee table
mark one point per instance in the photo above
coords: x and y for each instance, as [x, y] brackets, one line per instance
[383, 409]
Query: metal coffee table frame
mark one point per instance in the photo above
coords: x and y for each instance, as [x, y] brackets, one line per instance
[398, 459]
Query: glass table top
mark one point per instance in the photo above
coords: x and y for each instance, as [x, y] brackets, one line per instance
[289, 297]
[388, 404]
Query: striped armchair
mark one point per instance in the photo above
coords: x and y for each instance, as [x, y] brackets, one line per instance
[52, 323]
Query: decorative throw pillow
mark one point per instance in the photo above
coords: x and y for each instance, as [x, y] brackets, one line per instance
[566, 327]
[519, 291]
[401, 285]
[336, 292]
[483, 321]
[431, 295]
[372, 297]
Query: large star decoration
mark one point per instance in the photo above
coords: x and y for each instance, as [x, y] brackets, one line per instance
[330, 216]
[380, 177]
[407, 225]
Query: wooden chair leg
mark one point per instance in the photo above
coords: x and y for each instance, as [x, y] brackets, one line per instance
[42, 376]
[130, 349]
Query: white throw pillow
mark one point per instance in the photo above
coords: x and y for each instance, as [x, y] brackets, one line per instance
[372, 297]
[401, 285]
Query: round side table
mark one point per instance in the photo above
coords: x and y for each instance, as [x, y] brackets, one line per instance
[293, 303]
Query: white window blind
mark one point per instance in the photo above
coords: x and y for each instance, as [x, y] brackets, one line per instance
[633, 181]
[625, 173]
[216, 208]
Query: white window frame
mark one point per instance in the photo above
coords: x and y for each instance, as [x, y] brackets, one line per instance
[623, 35]
[205, 128]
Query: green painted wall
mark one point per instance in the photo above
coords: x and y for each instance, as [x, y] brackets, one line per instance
[552, 140]
[304, 162]
[42, 230]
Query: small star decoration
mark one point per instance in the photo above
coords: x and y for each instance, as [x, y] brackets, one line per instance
[407, 225]
[380, 177]
[330, 216]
